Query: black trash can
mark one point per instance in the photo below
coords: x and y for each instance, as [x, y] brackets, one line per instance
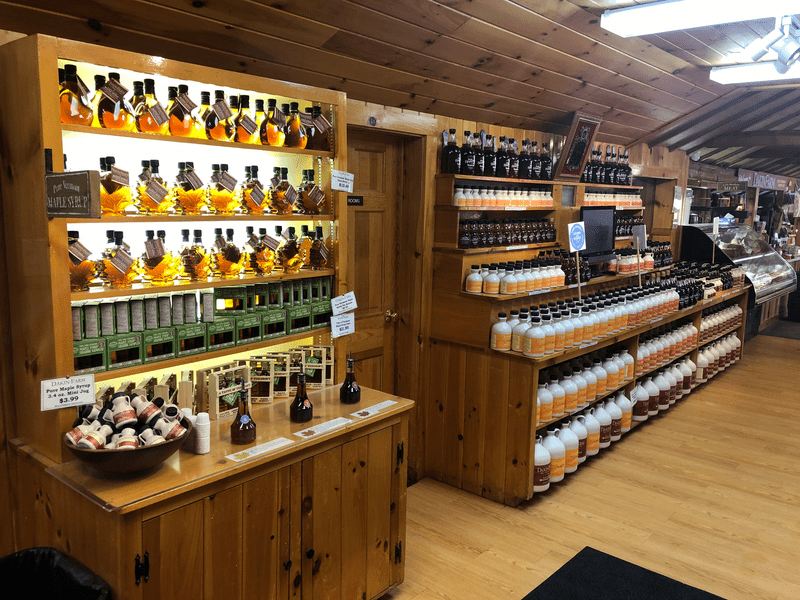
[49, 573]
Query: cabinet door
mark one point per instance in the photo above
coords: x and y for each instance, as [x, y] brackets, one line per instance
[174, 543]
[268, 564]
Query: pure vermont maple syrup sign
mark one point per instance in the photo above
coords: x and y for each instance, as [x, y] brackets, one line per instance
[73, 194]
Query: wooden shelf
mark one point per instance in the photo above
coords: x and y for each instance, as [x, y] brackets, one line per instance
[136, 218]
[664, 364]
[718, 336]
[177, 362]
[140, 289]
[535, 181]
[567, 415]
[83, 130]
[494, 249]
[614, 207]
[450, 207]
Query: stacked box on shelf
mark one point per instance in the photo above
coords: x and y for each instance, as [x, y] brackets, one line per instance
[298, 319]
[90, 356]
[321, 313]
[280, 381]
[275, 324]
[262, 376]
[124, 350]
[191, 339]
[218, 389]
[229, 301]
[222, 333]
[249, 328]
[160, 344]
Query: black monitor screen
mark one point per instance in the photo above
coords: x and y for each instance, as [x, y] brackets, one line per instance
[599, 223]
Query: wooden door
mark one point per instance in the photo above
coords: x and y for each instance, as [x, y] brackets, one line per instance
[268, 567]
[376, 161]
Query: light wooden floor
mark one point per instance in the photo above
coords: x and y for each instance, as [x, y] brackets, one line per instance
[707, 493]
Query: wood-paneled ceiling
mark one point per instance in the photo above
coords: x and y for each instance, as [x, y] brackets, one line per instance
[519, 63]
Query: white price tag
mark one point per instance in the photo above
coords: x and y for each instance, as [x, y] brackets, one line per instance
[343, 324]
[323, 427]
[373, 410]
[342, 181]
[577, 236]
[270, 446]
[344, 303]
[67, 391]
[715, 227]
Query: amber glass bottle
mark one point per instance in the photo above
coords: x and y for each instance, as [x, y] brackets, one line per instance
[301, 410]
[227, 258]
[189, 193]
[260, 117]
[217, 128]
[99, 81]
[245, 128]
[195, 261]
[118, 268]
[142, 111]
[252, 193]
[295, 131]
[273, 129]
[289, 253]
[115, 193]
[280, 199]
[350, 392]
[243, 428]
[318, 253]
[158, 267]
[222, 198]
[181, 122]
[75, 105]
[115, 115]
[82, 270]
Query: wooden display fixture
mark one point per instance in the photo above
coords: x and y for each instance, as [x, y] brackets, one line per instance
[42, 340]
[216, 389]
[262, 378]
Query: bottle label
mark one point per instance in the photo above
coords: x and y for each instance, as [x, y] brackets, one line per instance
[158, 114]
[321, 123]
[316, 195]
[78, 252]
[571, 401]
[469, 163]
[291, 194]
[501, 341]
[593, 442]
[491, 287]
[549, 343]
[626, 420]
[541, 474]
[186, 102]
[559, 341]
[616, 427]
[145, 175]
[193, 179]
[581, 447]
[591, 391]
[571, 459]
[119, 176]
[537, 346]
[569, 339]
[227, 181]
[245, 419]
[257, 195]
[558, 406]
[474, 285]
[306, 120]
[113, 90]
[122, 261]
[222, 110]
[557, 467]
[248, 124]
[155, 191]
[605, 433]
[516, 342]
[154, 248]
[546, 412]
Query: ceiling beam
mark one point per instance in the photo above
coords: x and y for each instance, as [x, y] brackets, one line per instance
[782, 139]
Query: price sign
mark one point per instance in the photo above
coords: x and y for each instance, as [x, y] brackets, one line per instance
[67, 391]
[343, 324]
[342, 181]
[577, 236]
[344, 303]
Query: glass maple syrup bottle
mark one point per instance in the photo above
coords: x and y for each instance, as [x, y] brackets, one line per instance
[273, 129]
[249, 250]
[75, 105]
[115, 191]
[350, 392]
[152, 195]
[227, 258]
[246, 131]
[260, 117]
[157, 265]
[181, 121]
[289, 252]
[221, 190]
[252, 194]
[188, 191]
[301, 410]
[195, 259]
[142, 105]
[265, 257]
[115, 115]
[296, 136]
[117, 267]
[243, 428]
[322, 139]
[281, 203]
[99, 81]
[219, 128]
[82, 270]
[318, 253]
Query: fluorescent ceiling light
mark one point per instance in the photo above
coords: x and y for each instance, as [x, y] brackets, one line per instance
[754, 72]
[671, 15]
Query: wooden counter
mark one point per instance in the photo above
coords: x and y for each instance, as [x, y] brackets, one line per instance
[323, 516]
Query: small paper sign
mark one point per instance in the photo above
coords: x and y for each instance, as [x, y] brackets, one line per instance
[316, 195]
[114, 90]
[186, 102]
[271, 242]
[373, 410]
[577, 236]
[222, 110]
[257, 195]
[145, 175]
[715, 227]
[154, 248]
[194, 180]
[248, 125]
[155, 191]
[78, 252]
[122, 261]
[323, 427]
[342, 181]
[158, 114]
[275, 181]
[67, 391]
[639, 232]
[342, 325]
[278, 117]
[306, 120]
[344, 303]
[119, 176]
[260, 449]
[227, 181]
[321, 123]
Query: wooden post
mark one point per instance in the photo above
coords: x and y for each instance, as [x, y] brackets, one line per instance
[578, 269]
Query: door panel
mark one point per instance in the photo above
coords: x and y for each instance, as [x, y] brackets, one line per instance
[222, 535]
[355, 471]
[174, 542]
[375, 160]
[380, 551]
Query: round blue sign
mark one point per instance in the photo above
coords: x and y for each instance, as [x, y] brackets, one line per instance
[577, 237]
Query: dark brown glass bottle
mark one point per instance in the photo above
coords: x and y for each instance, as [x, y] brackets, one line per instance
[301, 410]
[350, 392]
[243, 428]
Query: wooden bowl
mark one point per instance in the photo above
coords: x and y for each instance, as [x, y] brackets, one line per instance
[137, 460]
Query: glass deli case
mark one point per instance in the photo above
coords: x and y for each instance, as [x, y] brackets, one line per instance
[738, 244]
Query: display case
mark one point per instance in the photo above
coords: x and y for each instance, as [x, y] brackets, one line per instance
[770, 275]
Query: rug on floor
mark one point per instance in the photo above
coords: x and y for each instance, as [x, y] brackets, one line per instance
[595, 575]
[783, 329]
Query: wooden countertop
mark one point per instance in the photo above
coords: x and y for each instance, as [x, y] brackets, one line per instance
[185, 471]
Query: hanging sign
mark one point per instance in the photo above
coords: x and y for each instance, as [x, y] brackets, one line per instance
[343, 324]
[67, 391]
[342, 181]
[344, 303]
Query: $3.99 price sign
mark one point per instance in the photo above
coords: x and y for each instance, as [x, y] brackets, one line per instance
[67, 391]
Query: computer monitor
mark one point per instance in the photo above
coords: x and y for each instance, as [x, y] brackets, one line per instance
[599, 222]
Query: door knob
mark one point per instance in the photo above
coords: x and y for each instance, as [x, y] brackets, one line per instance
[390, 316]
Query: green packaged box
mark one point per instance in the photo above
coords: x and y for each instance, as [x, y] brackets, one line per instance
[137, 313]
[124, 350]
[314, 285]
[299, 319]
[297, 292]
[90, 356]
[160, 344]
[275, 325]
[151, 312]
[321, 314]
[222, 333]
[191, 339]
[178, 307]
[164, 310]
[122, 315]
[230, 301]
[190, 307]
[107, 324]
[77, 321]
[207, 306]
[250, 305]
[305, 291]
[286, 294]
[249, 328]
[275, 298]
[91, 320]
[261, 299]
[326, 288]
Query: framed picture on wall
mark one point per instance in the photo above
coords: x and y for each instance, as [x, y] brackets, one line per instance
[580, 141]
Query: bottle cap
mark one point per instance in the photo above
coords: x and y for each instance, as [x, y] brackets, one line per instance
[181, 166]
[453, 131]
[502, 315]
[229, 233]
[113, 76]
[262, 231]
[110, 160]
[233, 101]
[205, 97]
[198, 233]
[145, 164]
[254, 171]
[260, 105]
[70, 70]
[272, 102]
[249, 229]
[284, 108]
[183, 89]
[218, 231]
[161, 233]
[294, 106]
[73, 234]
[319, 232]
[185, 234]
[150, 234]
[118, 238]
[215, 167]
